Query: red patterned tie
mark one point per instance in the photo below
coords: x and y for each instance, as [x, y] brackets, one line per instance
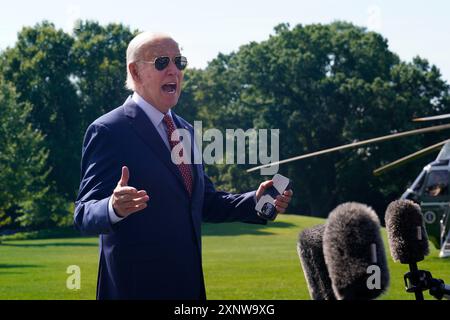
[184, 168]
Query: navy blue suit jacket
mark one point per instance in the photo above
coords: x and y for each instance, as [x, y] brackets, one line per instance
[154, 253]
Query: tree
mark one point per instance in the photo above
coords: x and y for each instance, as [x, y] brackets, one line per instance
[69, 81]
[41, 67]
[23, 168]
[323, 86]
[100, 68]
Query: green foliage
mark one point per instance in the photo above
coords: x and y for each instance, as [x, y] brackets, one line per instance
[188, 103]
[67, 81]
[54, 233]
[23, 167]
[99, 53]
[40, 66]
[323, 86]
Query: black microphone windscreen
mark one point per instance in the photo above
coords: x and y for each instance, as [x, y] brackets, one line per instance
[354, 253]
[408, 239]
[310, 252]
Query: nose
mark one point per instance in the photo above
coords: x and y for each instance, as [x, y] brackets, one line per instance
[172, 68]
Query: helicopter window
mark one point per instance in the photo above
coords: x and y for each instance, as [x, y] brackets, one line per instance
[437, 183]
[417, 185]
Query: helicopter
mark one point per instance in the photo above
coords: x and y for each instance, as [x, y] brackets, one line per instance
[430, 189]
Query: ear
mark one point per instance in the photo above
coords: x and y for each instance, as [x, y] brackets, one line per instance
[132, 67]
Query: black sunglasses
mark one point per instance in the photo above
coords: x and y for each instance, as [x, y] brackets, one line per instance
[162, 62]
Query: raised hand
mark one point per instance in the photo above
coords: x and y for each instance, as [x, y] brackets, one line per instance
[127, 200]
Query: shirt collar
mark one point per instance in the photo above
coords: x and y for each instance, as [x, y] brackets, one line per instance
[154, 114]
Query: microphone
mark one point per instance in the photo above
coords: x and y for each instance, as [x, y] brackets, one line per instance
[408, 243]
[310, 252]
[408, 239]
[354, 253]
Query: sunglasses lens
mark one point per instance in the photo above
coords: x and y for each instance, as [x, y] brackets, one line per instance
[181, 62]
[161, 63]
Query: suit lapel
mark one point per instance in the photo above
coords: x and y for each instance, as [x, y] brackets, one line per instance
[145, 129]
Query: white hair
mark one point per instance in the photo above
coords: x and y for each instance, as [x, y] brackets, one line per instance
[135, 51]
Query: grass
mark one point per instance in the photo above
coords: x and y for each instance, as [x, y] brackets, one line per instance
[240, 261]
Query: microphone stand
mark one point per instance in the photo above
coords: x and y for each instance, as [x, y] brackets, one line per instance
[413, 281]
[418, 281]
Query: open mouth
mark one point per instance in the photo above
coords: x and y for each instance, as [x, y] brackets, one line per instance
[170, 87]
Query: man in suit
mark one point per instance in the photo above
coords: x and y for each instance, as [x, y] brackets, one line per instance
[147, 209]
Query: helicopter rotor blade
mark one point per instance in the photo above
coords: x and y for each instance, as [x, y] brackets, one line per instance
[408, 158]
[355, 144]
[439, 117]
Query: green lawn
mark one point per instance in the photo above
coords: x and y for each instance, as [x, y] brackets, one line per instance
[240, 261]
